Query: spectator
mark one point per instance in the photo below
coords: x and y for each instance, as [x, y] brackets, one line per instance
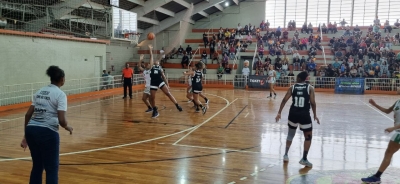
[303, 43]
[232, 52]
[285, 65]
[375, 29]
[304, 28]
[246, 71]
[215, 57]
[339, 54]
[310, 28]
[336, 64]
[334, 27]
[179, 52]
[225, 60]
[110, 80]
[272, 51]
[104, 77]
[220, 71]
[353, 72]
[296, 34]
[312, 52]
[285, 34]
[261, 51]
[343, 23]
[296, 63]
[185, 60]
[189, 51]
[397, 24]
[324, 28]
[227, 69]
[162, 54]
[377, 21]
[204, 57]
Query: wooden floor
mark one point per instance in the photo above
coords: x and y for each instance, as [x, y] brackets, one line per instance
[236, 141]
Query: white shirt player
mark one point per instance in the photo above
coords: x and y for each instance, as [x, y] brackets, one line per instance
[396, 111]
[271, 76]
[48, 101]
[146, 75]
[190, 80]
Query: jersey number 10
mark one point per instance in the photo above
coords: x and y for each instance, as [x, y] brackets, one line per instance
[299, 101]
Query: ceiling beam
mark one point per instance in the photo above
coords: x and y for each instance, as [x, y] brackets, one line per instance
[203, 13]
[138, 2]
[93, 5]
[149, 20]
[181, 17]
[84, 20]
[149, 6]
[219, 7]
[183, 3]
[165, 11]
[236, 2]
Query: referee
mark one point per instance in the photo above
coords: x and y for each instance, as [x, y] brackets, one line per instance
[127, 77]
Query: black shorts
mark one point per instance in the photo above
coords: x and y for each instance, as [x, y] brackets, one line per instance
[197, 89]
[300, 117]
[156, 85]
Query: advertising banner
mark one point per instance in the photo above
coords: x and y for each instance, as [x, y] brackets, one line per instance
[349, 86]
[258, 81]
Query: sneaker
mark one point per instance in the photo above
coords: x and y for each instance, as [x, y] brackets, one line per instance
[305, 163]
[155, 114]
[207, 101]
[179, 108]
[285, 158]
[371, 180]
[189, 101]
[149, 110]
[269, 97]
[204, 109]
[197, 110]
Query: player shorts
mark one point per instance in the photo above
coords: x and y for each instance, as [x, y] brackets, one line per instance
[197, 89]
[271, 81]
[156, 86]
[396, 137]
[147, 90]
[300, 118]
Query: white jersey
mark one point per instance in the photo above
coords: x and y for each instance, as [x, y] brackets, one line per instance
[189, 80]
[47, 102]
[271, 76]
[146, 75]
[396, 111]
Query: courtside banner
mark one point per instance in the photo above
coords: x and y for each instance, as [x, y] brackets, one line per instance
[257, 81]
[349, 86]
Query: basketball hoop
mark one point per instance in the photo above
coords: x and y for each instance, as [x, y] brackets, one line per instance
[132, 37]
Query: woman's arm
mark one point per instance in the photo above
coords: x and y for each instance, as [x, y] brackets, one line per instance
[387, 111]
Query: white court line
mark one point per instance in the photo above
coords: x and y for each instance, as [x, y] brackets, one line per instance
[3, 119]
[212, 148]
[246, 115]
[207, 120]
[117, 146]
[377, 110]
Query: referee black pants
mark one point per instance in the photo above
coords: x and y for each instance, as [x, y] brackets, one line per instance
[128, 84]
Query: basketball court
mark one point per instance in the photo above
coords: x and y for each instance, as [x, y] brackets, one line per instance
[236, 141]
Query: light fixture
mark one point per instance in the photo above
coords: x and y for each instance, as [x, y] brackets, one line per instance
[227, 3]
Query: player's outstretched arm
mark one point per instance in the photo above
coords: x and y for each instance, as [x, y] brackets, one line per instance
[313, 104]
[387, 111]
[151, 55]
[140, 63]
[283, 103]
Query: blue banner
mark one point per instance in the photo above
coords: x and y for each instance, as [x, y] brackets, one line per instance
[258, 81]
[349, 86]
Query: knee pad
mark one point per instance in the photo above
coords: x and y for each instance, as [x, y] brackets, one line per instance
[308, 138]
[291, 134]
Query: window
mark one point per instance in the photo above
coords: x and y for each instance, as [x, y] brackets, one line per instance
[364, 12]
[388, 10]
[317, 12]
[296, 10]
[340, 9]
[275, 13]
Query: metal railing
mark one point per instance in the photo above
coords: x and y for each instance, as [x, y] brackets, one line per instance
[254, 58]
[220, 79]
[19, 93]
[322, 47]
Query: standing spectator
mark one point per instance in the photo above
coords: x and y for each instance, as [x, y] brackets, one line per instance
[127, 77]
[310, 28]
[185, 60]
[110, 80]
[189, 51]
[387, 27]
[205, 39]
[162, 53]
[225, 60]
[104, 79]
[343, 23]
[212, 48]
[42, 120]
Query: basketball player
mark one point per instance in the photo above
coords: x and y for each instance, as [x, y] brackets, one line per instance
[271, 80]
[42, 120]
[394, 143]
[146, 92]
[299, 114]
[197, 87]
[158, 80]
[189, 91]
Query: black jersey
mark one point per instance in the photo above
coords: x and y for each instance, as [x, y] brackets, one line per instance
[196, 80]
[300, 98]
[155, 75]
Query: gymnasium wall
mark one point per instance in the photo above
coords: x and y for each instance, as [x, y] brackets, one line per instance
[118, 53]
[247, 12]
[25, 59]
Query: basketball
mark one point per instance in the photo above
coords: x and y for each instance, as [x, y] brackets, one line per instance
[151, 36]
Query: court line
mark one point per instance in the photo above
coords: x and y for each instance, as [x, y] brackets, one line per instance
[213, 148]
[246, 115]
[207, 120]
[235, 117]
[377, 111]
[128, 144]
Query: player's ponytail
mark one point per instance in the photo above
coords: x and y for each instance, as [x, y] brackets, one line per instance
[55, 73]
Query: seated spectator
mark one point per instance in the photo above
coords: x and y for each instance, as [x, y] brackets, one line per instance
[387, 27]
[331, 41]
[189, 51]
[278, 51]
[303, 43]
[353, 72]
[179, 52]
[227, 69]
[285, 65]
[334, 27]
[304, 29]
[278, 32]
[296, 63]
[289, 50]
[356, 29]
[261, 51]
[225, 60]
[185, 60]
[313, 51]
[285, 34]
[215, 57]
[249, 39]
[324, 28]
[310, 28]
[291, 74]
[397, 24]
[375, 29]
[296, 34]
[232, 52]
[318, 45]
[339, 54]
[330, 27]
[220, 71]
[204, 57]
[272, 51]
[336, 64]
